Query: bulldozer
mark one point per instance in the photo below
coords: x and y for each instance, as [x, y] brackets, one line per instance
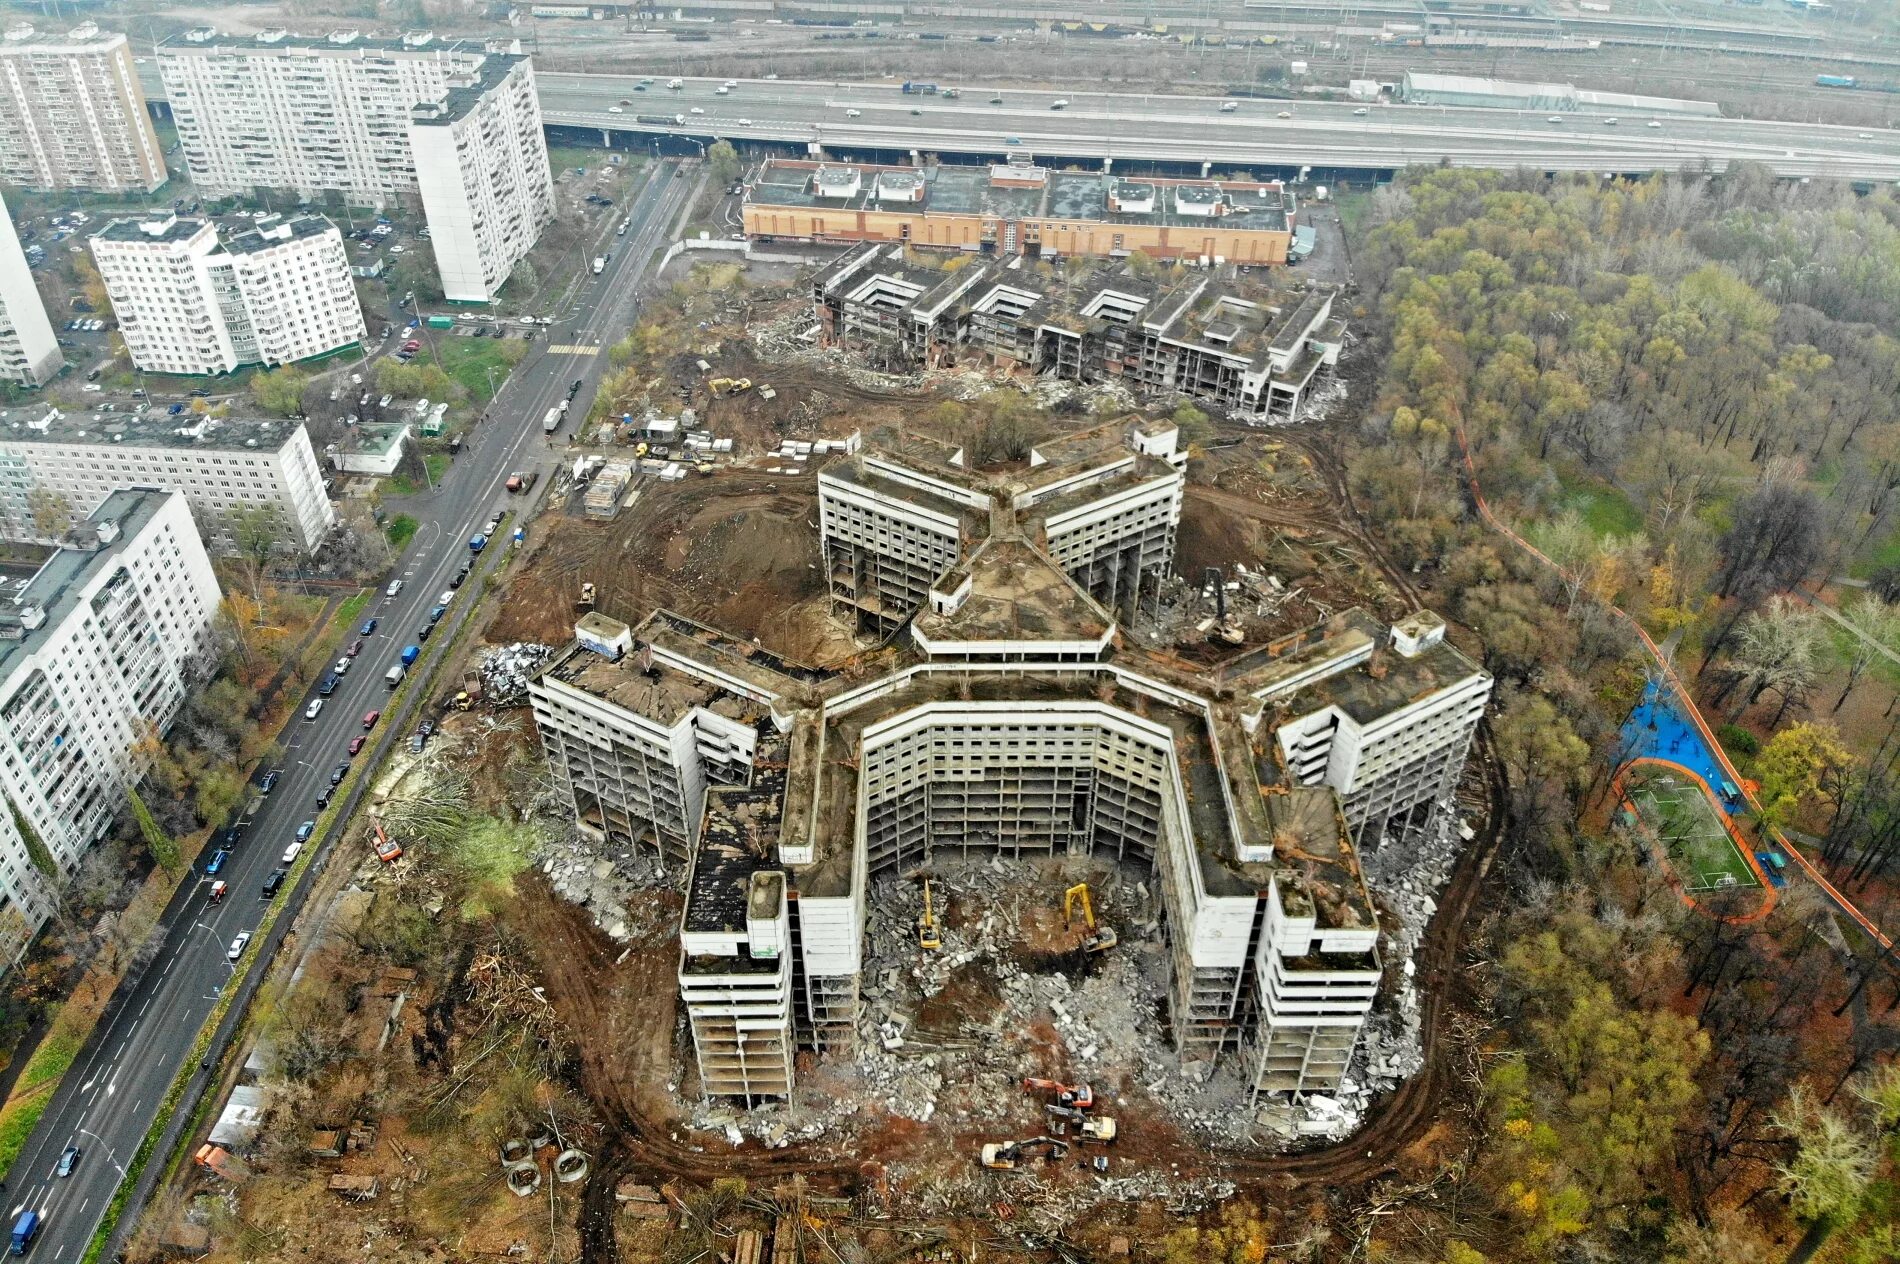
[1007, 1156]
[586, 601]
[1072, 1097]
[1089, 1130]
[1094, 938]
[469, 694]
[927, 933]
[724, 386]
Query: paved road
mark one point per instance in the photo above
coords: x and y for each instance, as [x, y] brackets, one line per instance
[1118, 126]
[111, 1096]
[1326, 135]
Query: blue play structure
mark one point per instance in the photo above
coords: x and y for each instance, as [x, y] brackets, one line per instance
[1660, 728]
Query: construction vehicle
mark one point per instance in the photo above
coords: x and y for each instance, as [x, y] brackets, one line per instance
[1225, 628]
[1007, 1156]
[927, 935]
[1094, 938]
[587, 597]
[1076, 1097]
[1090, 1130]
[470, 693]
[704, 467]
[724, 386]
[387, 849]
[221, 1162]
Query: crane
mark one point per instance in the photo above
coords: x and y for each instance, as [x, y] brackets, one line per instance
[1095, 938]
[927, 936]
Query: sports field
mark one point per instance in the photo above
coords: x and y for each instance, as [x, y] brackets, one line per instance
[1690, 829]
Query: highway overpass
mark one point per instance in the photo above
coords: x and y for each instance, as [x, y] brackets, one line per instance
[1333, 138]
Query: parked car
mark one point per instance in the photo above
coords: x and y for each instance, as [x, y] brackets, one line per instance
[356, 743]
[269, 782]
[238, 945]
[327, 685]
[369, 625]
[275, 882]
[369, 720]
[356, 647]
[305, 830]
[338, 773]
[216, 862]
[343, 666]
[395, 586]
[314, 710]
[324, 796]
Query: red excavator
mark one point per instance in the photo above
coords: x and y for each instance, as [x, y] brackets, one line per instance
[1072, 1096]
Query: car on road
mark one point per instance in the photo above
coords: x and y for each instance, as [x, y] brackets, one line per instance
[238, 945]
[384, 401]
[342, 667]
[435, 615]
[274, 882]
[314, 710]
[459, 578]
[216, 862]
[696, 110]
[1284, 114]
[327, 685]
[395, 586]
[854, 113]
[356, 647]
[1361, 112]
[369, 625]
[305, 830]
[614, 109]
[1610, 122]
[369, 720]
[68, 1160]
[356, 743]
[423, 632]
[324, 796]
[338, 773]
[1553, 119]
[444, 598]
[1653, 123]
[269, 782]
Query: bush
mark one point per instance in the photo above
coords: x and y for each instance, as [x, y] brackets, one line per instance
[1737, 740]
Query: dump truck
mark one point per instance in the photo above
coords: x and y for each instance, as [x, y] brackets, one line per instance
[1006, 1156]
[221, 1162]
[520, 481]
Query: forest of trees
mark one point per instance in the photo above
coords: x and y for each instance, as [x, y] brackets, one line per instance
[1686, 392]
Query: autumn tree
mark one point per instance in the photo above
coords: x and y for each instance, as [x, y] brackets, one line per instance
[1798, 766]
[280, 391]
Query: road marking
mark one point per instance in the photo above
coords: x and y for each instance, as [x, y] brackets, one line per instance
[570, 349]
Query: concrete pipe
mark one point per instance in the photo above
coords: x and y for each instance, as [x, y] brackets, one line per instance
[515, 1152]
[524, 1180]
[541, 1141]
[569, 1166]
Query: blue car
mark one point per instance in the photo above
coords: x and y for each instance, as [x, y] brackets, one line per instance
[217, 861]
[368, 628]
[305, 830]
[435, 615]
[175, 409]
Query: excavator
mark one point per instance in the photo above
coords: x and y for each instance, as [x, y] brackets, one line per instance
[1226, 628]
[1007, 1156]
[1089, 1129]
[586, 601]
[927, 935]
[1095, 938]
[1075, 1097]
[724, 386]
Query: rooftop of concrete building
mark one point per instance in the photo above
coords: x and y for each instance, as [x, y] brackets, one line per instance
[238, 234]
[1051, 458]
[1051, 195]
[343, 41]
[24, 37]
[32, 610]
[652, 691]
[156, 429]
[747, 660]
[1312, 849]
[463, 98]
[1016, 593]
[738, 838]
[1352, 662]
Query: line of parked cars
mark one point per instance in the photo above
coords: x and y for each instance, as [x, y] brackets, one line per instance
[90, 325]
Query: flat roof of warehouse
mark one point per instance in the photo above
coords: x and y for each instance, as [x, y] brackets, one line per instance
[1064, 195]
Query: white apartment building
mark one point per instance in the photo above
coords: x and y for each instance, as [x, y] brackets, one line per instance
[482, 170]
[97, 650]
[72, 113]
[1009, 723]
[447, 123]
[220, 465]
[278, 291]
[29, 350]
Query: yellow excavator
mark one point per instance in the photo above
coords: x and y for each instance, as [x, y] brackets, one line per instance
[724, 386]
[1094, 938]
[927, 935]
[1006, 1156]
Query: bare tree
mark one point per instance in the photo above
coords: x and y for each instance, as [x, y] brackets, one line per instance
[1876, 626]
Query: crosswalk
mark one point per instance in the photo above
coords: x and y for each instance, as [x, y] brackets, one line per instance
[569, 349]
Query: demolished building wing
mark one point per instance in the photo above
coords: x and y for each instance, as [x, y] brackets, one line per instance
[1237, 348]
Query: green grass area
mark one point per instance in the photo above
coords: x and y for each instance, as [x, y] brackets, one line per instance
[438, 465]
[1690, 829]
[33, 1092]
[1604, 509]
[1887, 553]
[401, 529]
[473, 363]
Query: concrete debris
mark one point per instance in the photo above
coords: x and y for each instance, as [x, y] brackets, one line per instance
[607, 880]
[506, 668]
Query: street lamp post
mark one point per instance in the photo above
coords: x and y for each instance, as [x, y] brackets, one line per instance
[110, 1157]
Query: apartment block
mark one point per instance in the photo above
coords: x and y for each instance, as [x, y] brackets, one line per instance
[906, 507]
[1011, 722]
[1235, 347]
[72, 113]
[69, 466]
[482, 170]
[451, 125]
[277, 291]
[97, 650]
[1022, 210]
[29, 350]
[1384, 717]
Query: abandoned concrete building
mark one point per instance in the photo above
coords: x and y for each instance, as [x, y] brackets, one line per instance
[905, 507]
[1015, 722]
[1236, 348]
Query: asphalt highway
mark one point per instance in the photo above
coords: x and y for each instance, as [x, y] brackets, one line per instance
[1324, 135]
[110, 1098]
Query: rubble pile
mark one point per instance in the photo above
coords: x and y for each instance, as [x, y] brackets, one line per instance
[607, 880]
[506, 668]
